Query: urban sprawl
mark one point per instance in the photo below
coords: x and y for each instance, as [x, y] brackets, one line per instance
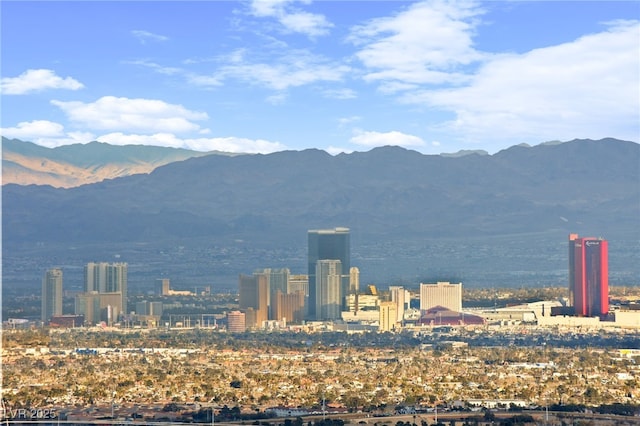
[320, 344]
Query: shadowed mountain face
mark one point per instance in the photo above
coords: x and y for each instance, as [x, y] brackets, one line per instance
[26, 163]
[387, 195]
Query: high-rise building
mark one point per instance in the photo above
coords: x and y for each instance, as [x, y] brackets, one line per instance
[163, 286]
[328, 244]
[328, 289]
[298, 282]
[388, 316]
[398, 297]
[277, 280]
[354, 280]
[108, 278]
[51, 293]
[254, 294]
[88, 304]
[442, 294]
[236, 322]
[289, 307]
[588, 275]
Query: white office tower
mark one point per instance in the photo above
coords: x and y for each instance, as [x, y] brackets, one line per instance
[328, 289]
[354, 280]
[51, 294]
[398, 297]
[442, 294]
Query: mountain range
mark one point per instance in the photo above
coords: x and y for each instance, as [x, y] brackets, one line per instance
[388, 196]
[73, 165]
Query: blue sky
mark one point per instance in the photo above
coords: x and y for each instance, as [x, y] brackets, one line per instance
[342, 76]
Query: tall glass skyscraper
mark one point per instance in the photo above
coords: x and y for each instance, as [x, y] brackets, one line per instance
[589, 275]
[328, 244]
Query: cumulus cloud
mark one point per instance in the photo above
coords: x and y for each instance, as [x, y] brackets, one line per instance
[145, 36]
[146, 115]
[36, 81]
[372, 139]
[225, 144]
[585, 88]
[425, 43]
[292, 19]
[29, 130]
[45, 133]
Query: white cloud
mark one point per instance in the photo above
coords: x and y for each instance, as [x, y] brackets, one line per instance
[296, 68]
[585, 88]
[30, 130]
[292, 19]
[382, 139]
[145, 115]
[36, 81]
[156, 67]
[277, 99]
[206, 81]
[344, 121]
[426, 43]
[335, 150]
[226, 144]
[340, 93]
[45, 133]
[144, 36]
[306, 23]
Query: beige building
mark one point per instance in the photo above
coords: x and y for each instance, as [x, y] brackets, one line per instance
[163, 286]
[108, 279]
[388, 316]
[442, 294]
[400, 297]
[298, 282]
[358, 302]
[328, 289]
[354, 280]
[97, 307]
[254, 294]
[236, 322]
[51, 293]
[289, 307]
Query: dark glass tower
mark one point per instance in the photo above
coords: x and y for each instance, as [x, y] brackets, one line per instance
[328, 244]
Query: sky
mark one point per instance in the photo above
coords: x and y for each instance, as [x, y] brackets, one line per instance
[342, 76]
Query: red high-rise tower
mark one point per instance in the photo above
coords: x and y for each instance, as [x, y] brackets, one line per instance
[589, 276]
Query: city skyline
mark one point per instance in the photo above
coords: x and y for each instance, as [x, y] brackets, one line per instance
[267, 76]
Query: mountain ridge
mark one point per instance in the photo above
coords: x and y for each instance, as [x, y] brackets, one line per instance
[78, 164]
[467, 216]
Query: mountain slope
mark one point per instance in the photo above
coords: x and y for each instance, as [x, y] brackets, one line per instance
[488, 220]
[384, 190]
[26, 163]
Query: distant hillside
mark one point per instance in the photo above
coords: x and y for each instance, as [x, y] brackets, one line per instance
[488, 220]
[25, 163]
[385, 190]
